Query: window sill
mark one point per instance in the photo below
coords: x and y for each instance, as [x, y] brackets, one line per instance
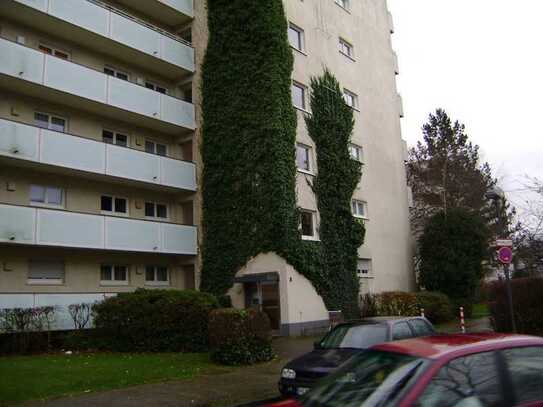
[301, 109]
[157, 283]
[114, 283]
[45, 205]
[44, 282]
[347, 55]
[299, 51]
[310, 238]
[111, 213]
[306, 172]
[361, 217]
[343, 8]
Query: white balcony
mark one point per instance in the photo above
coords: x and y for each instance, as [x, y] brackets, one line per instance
[400, 105]
[42, 146]
[107, 30]
[49, 227]
[170, 12]
[46, 76]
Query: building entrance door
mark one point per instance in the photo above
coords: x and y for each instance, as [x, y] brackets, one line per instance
[264, 295]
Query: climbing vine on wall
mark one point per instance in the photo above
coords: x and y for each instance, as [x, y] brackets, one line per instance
[248, 152]
[330, 126]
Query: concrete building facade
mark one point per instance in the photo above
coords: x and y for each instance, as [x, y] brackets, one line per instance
[99, 151]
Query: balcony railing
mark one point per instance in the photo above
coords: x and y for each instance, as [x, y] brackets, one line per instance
[28, 64]
[31, 143]
[109, 22]
[51, 227]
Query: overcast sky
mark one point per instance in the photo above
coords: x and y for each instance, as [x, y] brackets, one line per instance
[482, 61]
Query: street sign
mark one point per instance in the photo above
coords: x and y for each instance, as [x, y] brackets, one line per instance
[505, 255]
[504, 243]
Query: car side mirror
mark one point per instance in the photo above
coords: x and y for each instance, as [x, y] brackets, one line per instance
[317, 345]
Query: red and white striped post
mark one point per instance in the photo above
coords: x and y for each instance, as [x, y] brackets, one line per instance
[462, 321]
[422, 313]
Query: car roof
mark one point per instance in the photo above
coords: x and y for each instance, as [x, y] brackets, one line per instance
[379, 320]
[438, 346]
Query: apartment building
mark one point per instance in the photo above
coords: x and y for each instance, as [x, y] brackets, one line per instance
[99, 158]
[97, 171]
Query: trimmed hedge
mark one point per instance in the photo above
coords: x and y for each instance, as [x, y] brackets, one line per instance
[527, 305]
[437, 306]
[154, 321]
[240, 337]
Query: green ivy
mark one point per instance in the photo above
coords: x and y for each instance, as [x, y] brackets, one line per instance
[330, 126]
[248, 152]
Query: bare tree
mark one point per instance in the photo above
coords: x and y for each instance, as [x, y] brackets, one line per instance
[80, 314]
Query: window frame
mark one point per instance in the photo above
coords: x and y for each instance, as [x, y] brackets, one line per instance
[46, 203]
[353, 96]
[154, 86]
[54, 51]
[313, 224]
[116, 72]
[360, 155]
[301, 37]
[155, 211]
[356, 213]
[113, 281]
[44, 281]
[296, 84]
[343, 45]
[115, 135]
[309, 151]
[155, 281]
[50, 117]
[113, 211]
[344, 4]
[155, 144]
[369, 274]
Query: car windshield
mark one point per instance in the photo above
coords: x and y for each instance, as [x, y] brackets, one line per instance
[370, 379]
[358, 336]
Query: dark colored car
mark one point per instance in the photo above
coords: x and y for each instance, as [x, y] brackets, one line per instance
[343, 342]
[461, 370]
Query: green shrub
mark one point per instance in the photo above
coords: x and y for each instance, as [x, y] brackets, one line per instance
[527, 305]
[240, 337]
[154, 321]
[437, 306]
[397, 303]
[368, 306]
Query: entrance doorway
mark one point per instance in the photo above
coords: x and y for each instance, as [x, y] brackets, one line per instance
[264, 295]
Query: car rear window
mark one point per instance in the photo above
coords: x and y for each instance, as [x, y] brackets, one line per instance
[358, 337]
[421, 327]
[526, 369]
[372, 378]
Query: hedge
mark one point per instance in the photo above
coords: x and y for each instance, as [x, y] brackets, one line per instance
[527, 305]
[154, 321]
[437, 306]
[240, 337]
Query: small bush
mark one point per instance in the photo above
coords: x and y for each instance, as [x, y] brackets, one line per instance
[437, 306]
[397, 303]
[154, 321]
[240, 337]
[368, 306]
[527, 305]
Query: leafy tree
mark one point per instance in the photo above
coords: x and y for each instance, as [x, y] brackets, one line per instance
[444, 171]
[452, 248]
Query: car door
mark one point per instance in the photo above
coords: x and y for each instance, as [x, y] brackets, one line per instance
[469, 381]
[525, 371]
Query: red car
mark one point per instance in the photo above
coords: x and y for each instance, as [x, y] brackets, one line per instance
[470, 370]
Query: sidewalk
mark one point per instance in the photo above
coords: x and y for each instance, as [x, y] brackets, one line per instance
[242, 385]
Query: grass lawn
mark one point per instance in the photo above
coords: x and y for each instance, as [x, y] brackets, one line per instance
[480, 311]
[46, 376]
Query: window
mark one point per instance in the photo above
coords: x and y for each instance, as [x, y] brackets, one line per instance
[155, 87]
[350, 98]
[359, 208]
[54, 51]
[298, 95]
[112, 137]
[401, 330]
[156, 148]
[296, 37]
[308, 224]
[51, 122]
[472, 378]
[113, 275]
[43, 195]
[346, 4]
[46, 272]
[363, 268]
[157, 275]
[526, 369]
[356, 152]
[156, 210]
[421, 327]
[303, 157]
[113, 204]
[346, 48]
[116, 73]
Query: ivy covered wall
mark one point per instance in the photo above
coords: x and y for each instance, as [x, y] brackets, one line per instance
[248, 153]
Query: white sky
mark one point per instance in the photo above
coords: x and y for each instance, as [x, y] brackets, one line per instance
[482, 61]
